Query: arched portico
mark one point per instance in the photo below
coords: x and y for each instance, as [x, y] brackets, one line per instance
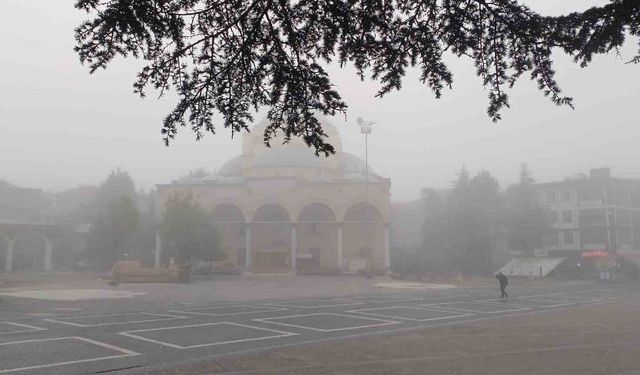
[365, 238]
[319, 247]
[230, 223]
[272, 246]
[5, 245]
[26, 247]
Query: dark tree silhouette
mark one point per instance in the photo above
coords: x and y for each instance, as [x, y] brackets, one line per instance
[232, 56]
[527, 220]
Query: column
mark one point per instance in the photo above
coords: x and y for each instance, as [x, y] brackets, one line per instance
[387, 257]
[247, 248]
[158, 250]
[294, 247]
[339, 247]
[8, 261]
[633, 230]
[48, 256]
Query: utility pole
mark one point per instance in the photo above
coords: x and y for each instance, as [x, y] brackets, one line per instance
[365, 128]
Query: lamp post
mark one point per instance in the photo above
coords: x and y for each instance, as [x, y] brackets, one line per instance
[365, 128]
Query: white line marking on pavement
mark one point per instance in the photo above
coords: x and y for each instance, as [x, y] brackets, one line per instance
[126, 353]
[452, 316]
[28, 328]
[67, 322]
[176, 346]
[295, 304]
[271, 321]
[505, 308]
[539, 302]
[198, 310]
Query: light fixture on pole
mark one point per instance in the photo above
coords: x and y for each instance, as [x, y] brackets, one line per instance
[365, 128]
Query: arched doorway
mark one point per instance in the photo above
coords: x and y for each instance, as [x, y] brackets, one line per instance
[317, 249]
[229, 221]
[31, 252]
[271, 239]
[4, 249]
[363, 238]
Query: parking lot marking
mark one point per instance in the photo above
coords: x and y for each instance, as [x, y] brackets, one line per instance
[522, 302]
[452, 316]
[505, 308]
[278, 334]
[378, 299]
[299, 304]
[272, 321]
[67, 322]
[29, 328]
[126, 353]
[197, 310]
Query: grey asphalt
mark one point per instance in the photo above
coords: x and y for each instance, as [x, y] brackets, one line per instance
[107, 338]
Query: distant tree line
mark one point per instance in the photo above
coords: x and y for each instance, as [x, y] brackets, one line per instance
[462, 224]
[124, 226]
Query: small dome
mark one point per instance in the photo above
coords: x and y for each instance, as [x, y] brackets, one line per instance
[233, 167]
[352, 165]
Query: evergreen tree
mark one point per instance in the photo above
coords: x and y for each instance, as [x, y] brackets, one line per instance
[115, 218]
[461, 229]
[234, 57]
[435, 229]
[527, 219]
[485, 207]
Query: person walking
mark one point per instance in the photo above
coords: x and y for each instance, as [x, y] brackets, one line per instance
[502, 279]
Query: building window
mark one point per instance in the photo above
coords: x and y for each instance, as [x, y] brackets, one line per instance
[551, 196]
[567, 237]
[567, 216]
[552, 217]
[566, 195]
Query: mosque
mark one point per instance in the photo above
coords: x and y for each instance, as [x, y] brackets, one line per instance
[284, 210]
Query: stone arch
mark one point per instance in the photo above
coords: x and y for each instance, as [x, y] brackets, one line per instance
[4, 251]
[305, 203]
[227, 213]
[270, 213]
[362, 212]
[317, 239]
[316, 212]
[364, 238]
[229, 220]
[32, 250]
[271, 238]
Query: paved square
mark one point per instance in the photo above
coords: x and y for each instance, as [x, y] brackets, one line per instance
[201, 335]
[418, 314]
[53, 352]
[379, 298]
[326, 322]
[571, 297]
[11, 327]
[476, 307]
[113, 319]
[227, 310]
[534, 301]
[313, 303]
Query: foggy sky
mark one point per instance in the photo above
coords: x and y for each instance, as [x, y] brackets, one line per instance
[61, 127]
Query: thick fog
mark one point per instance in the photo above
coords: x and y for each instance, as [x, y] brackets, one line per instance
[61, 127]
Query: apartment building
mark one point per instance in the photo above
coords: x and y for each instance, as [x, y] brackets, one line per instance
[595, 212]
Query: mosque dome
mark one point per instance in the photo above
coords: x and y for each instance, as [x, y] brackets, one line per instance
[293, 159]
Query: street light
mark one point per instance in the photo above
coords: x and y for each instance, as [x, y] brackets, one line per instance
[365, 128]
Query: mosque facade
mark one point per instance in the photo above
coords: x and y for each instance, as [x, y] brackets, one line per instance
[282, 209]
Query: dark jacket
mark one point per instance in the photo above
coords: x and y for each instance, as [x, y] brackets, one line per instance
[502, 279]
